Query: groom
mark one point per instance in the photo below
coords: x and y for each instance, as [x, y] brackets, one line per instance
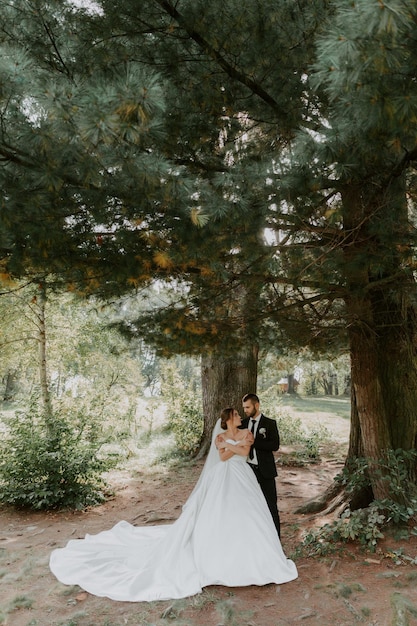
[261, 458]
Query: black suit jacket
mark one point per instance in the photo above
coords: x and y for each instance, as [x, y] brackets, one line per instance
[266, 443]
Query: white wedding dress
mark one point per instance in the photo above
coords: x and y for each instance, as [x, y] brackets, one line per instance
[224, 536]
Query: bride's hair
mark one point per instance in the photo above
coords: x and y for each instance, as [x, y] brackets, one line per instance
[225, 416]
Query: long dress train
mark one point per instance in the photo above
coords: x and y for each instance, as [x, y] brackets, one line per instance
[224, 536]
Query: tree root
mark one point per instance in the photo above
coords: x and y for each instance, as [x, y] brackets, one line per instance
[331, 499]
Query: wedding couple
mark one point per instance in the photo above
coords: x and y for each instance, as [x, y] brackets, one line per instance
[225, 535]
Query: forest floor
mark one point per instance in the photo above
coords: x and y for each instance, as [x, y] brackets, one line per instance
[348, 587]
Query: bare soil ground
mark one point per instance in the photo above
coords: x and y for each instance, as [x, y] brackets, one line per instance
[350, 587]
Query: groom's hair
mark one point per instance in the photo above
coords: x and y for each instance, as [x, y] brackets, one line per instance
[252, 397]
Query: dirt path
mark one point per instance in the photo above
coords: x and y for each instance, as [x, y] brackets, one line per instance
[341, 590]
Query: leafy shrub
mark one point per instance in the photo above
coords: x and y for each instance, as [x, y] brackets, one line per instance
[363, 526]
[51, 461]
[393, 469]
[366, 525]
[185, 411]
[186, 422]
[291, 429]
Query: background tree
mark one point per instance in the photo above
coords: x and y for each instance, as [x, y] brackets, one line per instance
[364, 172]
[233, 129]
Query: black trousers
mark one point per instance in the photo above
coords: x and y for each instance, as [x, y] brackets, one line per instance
[269, 489]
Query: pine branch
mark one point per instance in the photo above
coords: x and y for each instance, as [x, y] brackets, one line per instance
[51, 38]
[408, 158]
[231, 71]
[202, 165]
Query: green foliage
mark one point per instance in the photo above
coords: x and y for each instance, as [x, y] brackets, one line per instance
[363, 526]
[291, 429]
[186, 421]
[185, 410]
[366, 526]
[21, 602]
[228, 613]
[314, 440]
[52, 461]
[394, 469]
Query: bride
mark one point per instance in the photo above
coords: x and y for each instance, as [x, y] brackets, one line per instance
[224, 536]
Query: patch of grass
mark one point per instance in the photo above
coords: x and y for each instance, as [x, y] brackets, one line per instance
[336, 405]
[229, 615]
[174, 610]
[10, 557]
[75, 619]
[401, 606]
[201, 600]
[141, 619]
[20, 602]
[27, 567]
[344, 590]
[398, 584]
[68, 591]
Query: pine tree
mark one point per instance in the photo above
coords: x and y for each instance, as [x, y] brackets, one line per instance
[231, 71]
[364, 167]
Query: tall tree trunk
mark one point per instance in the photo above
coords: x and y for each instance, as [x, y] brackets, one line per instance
[227, 374]
[291, 384]
[373, 318]
[382, 330]
[43, 375]
[368, 390]
[10, 386]
[225, 380]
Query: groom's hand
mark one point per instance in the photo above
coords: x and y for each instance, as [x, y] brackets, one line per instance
[249, 438]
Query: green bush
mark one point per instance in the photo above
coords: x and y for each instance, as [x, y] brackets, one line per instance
[366, 526]
[186, 422]
[291, 429]
[185, 411]
[51, 461]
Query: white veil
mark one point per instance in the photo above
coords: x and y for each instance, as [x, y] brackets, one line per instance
[212, 459]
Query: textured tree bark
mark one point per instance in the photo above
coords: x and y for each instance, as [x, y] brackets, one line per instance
[10, 386]
[369, 316]
[382, 330]
[43, 375]
[225, 380]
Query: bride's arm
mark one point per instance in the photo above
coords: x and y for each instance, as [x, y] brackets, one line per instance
[225, 449]
[240, 448]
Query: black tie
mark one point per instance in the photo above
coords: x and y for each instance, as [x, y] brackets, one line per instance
[252, 429]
